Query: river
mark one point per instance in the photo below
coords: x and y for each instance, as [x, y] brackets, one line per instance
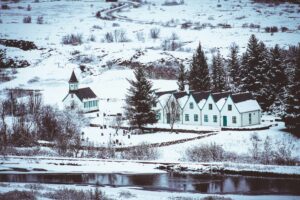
[211, 184]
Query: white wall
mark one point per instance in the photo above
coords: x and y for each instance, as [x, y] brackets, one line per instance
[159, 109]
[72, 98]
[255, 118]
[230, 114]
[210, 113]
[191, 112]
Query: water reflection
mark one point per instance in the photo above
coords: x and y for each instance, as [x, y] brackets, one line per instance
[172, 182]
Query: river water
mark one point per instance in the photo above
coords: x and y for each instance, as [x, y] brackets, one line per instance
[211, 184]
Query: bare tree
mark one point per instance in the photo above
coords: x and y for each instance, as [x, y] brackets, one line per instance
[3, 129]
[255, 148]
[154, 33]
[173, 112]
[117, 122]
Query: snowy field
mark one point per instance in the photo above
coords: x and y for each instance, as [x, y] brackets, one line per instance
[94, 134]
[234, 141]
[52, 63]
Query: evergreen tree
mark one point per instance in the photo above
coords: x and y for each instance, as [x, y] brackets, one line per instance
[139, 100]
[181, 77]
[218, 73]
[265, 95]
[278, 80]
[278, 75]
[234, 67]
[254, 70]
[292, 118]
[199, 79]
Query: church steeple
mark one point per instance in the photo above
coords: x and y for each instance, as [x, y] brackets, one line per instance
[73, 82]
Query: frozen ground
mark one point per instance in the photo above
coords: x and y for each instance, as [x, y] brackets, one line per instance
[136, 193]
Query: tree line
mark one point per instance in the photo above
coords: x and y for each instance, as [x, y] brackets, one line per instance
[270, 74]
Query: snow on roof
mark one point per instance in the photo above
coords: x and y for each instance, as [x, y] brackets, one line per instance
[201, 103]
[182, 100]
[221, 102]
[164, 98]
[247, 106]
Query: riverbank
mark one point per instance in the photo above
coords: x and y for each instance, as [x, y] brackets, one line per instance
[133, 192]
[18, 164]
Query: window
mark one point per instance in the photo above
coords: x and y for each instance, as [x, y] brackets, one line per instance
[85, 104]
[215, 118]
[177, 117]
[72, 95]
[195, 117]
[205, 118]
[187, 117]
[210, 106]
[234, 119]
[229, 107]
[191, 105]
[250, 118]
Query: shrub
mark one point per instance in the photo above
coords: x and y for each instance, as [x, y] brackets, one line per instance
[28, 7]
[1, 21]
[92, 38]
[108, 37]
[272, 29]
[154, 33]
[205, 153]
[283, 153]
[21, 195]
[5, 7]
[27, 20]
[65, 193]
[73, 39]
[40, 20]
[284, 29]
[143, 151]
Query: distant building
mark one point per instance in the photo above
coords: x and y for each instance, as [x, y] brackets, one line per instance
[223, 109]
[83, 98]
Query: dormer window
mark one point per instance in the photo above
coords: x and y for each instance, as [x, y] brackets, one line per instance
[210, 106]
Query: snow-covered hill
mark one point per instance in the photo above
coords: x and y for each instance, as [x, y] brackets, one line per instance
[204, 22]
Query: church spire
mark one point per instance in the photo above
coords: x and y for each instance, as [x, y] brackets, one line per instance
[73, 82]
[73, 78]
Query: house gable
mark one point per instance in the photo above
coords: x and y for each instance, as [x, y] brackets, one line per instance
[210, 117]
[193, 114]
[232, 117]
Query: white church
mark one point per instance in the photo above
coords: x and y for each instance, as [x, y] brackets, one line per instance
[82, 98]
[224, 109]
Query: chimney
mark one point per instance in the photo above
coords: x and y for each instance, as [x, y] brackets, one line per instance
[187, 88]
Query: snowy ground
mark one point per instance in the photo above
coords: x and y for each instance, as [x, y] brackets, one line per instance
[94, 134]
[52, 65]
[136, 193]
[234, 141]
